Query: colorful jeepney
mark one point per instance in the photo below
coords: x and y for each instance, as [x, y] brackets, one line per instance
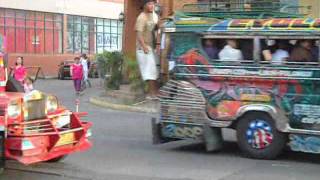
[34, 127]
[270, 106]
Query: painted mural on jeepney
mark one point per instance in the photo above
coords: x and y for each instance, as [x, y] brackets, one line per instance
[182, 131]
[227, 91]
[303, 143]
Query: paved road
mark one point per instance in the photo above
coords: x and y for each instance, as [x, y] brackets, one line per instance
[123, 151]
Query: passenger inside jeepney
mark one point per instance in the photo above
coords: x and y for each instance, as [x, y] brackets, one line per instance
[281, 52]
[211, 49]
[266, 47]
[302, 52]
[246, 47]
[230, 52]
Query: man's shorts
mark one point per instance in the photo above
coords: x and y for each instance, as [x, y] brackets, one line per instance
[147, 65]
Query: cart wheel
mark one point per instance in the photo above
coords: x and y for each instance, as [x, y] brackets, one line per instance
[57, 159]
[258, 137]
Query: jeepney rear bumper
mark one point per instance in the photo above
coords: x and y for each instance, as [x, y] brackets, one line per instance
[159, 138]
[41, 148]
[211, 137]
[156, 132]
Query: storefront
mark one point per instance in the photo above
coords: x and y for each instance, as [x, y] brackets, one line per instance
[45, 38]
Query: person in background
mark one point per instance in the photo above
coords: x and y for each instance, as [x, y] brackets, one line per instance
[209, 46]
[266, 53]
[282, 52]
[85, 65]
[19, 71]
[246, 47]
[146, 26]
[76, 71]
[28, 84]
[302, 52]
[230, 52]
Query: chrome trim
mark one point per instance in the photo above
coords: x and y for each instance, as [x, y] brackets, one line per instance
[182, 94]
[169, 30]
[248, 67]
[301, 131]
[185, 123]
[276, 114]
[220, 124]
[253, 76]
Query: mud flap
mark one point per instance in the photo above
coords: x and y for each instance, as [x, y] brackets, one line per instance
[212, 138]
[2, 152]
[156, 132]
[157, 137]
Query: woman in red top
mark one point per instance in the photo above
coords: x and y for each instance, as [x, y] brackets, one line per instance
[76, 74]
[19, 72]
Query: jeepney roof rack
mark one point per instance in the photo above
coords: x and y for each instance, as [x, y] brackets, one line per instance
[260, 9]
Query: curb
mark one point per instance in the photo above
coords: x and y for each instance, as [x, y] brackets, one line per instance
[121, 107]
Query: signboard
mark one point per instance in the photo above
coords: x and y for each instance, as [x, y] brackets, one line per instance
[281, 24]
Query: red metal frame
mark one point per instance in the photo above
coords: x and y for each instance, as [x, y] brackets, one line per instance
[46, 145]
[40, 140]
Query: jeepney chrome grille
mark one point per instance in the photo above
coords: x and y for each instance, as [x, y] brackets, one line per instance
[182, 102]
[36, 109]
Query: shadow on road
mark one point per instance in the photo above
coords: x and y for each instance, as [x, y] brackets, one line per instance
[232, 149]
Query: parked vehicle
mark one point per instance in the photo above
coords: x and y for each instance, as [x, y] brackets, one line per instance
[271, 105]
[34, 127]
[64, 69]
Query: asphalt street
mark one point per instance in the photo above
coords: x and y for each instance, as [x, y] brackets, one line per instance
[123, 151]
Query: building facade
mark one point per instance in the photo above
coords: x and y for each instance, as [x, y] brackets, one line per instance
[132, 9]
[46, 32]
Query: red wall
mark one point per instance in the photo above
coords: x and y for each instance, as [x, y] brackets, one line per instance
[31, 40]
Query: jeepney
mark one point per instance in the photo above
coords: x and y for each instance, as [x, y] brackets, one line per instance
[34, 127]
[271, 106]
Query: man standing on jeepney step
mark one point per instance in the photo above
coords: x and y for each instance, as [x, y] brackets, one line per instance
[146, 26]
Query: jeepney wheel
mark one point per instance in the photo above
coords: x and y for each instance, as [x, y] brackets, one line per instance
[258, 137]
[57, 159]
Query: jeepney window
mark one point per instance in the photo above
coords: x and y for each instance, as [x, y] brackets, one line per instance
[228, 50]
[290, 51]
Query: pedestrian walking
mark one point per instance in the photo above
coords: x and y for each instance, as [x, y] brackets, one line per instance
[77, 74]
[146, 26]
[85, 65]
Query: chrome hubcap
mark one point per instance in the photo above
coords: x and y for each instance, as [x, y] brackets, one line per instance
[259, 134]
